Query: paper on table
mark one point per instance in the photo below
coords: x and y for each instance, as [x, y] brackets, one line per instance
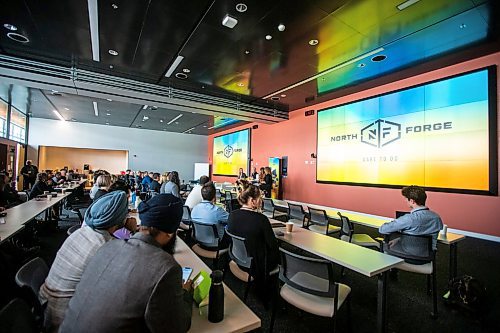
[2, 220]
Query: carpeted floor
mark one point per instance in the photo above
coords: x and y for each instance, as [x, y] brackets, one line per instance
[409, 305]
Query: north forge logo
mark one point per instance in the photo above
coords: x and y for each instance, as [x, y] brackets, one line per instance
[228, 151]
[381, 133]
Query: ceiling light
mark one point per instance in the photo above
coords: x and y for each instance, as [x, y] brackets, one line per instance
[229, 21]
[111, 66]
[171, 121]
[334, 68]
[181, 76]
[144, 118]
[18, 38]
[406, 4]
[96, 110]
[67, 109]
[281, 27]
[188, 130]
[161, 120]
[94, 28]
[313, 42]
[108, 114]
[241, 7]
[174, 65]
[109, 99]
[379, 58]
[10, 27]
[145, 107]
[186, 70]
[463, 26]
[283, 95]
[247, 52]
[241, 84]
[54, 91]
[361, 65]
[114, 6]
[107, 123]
[59, 115]
[205, 126]
[113, 52]
[269, 37]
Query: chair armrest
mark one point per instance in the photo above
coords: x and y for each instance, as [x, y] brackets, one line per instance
[381, 241]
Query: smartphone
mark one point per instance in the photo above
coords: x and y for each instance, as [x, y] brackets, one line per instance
[186, 273]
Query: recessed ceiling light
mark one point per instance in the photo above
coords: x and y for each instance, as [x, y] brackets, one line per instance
[406, 4]
[144, 118]
[145, 107]
[283, 95]
[269, 37]
[186, 70]
[113, 52]
[174, 119]
[96, 110]
[463, 26]
[67, 109]
[241, 84]
[361, 65]
[10, 27]
[18, 38]
[108, 114]
[161, 120]
[193, 112]
[181, 76]
[229, 21]
[205, 126]
[174, 65]
[378, 58]
[107, 123]
[241, 7]
[281, 27]
[313, 42]
[247, 52]
[111, 67]
[114, 6]
[109, 99]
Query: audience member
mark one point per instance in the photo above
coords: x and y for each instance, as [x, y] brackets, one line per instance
[208, 213]
[135, 285]
[102, 218]
[241, 174]
[173, 186]
[155, 184]
[40, 186]
[103, 182]
[267, 183]
[194, 196]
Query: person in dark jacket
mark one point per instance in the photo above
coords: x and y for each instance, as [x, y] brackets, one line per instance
[29, 173]
[40, 186]
[267, 183]
[155, 184]
[135, 285]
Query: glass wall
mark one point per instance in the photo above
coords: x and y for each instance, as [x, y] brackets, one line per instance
[3, 118]
[17, 125]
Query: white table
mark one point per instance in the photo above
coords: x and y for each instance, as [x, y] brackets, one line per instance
[237, 316]
[375, 221]
[357, 258]
[17, 216]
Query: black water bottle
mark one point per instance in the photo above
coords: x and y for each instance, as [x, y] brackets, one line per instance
[216, 298]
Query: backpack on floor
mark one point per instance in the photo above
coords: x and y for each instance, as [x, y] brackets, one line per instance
[468, 293]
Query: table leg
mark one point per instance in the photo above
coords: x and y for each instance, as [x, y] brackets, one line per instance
[382, 303]
[453, 261]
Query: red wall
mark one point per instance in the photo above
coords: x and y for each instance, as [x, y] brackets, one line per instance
[296, 138]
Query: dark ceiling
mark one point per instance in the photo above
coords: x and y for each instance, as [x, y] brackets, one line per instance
[240, 63]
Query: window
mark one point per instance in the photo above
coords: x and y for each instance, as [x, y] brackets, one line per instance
[17, 125]
[3, 118]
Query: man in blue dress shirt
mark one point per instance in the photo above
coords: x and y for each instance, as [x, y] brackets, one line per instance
[420, 221]
[207, 212]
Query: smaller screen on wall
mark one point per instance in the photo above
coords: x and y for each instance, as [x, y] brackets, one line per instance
[231, 152]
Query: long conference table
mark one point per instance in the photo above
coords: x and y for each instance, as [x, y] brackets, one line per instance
[237, 316]
[375, 221]
[356, 258]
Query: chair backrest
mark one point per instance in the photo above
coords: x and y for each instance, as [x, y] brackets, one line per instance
[416, 247]
[296, 211]
[238, 251]
[234, 196]
[186, 215]
[32, 275]
[310, 275]
[268, 205]
[73, 229]
[218, 194]
[206, 234]
[317, 216]
[16, 317]
[347, 228]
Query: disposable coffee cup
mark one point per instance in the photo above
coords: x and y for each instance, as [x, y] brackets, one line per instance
[444, 230]
[289, 227]
[49, 197]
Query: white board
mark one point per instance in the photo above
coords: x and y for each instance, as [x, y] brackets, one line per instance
[201, 169]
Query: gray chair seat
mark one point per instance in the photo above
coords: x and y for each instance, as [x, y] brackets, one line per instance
[322, 229]
[320, 306]
[421, 269]
[361, 240]
[207, 253]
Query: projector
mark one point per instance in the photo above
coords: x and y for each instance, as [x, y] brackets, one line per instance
[229, 21]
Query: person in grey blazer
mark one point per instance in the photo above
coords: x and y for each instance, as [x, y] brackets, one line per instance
[135, 285]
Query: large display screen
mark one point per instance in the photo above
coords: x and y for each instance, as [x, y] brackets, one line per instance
[441, 135]
[231, 152]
